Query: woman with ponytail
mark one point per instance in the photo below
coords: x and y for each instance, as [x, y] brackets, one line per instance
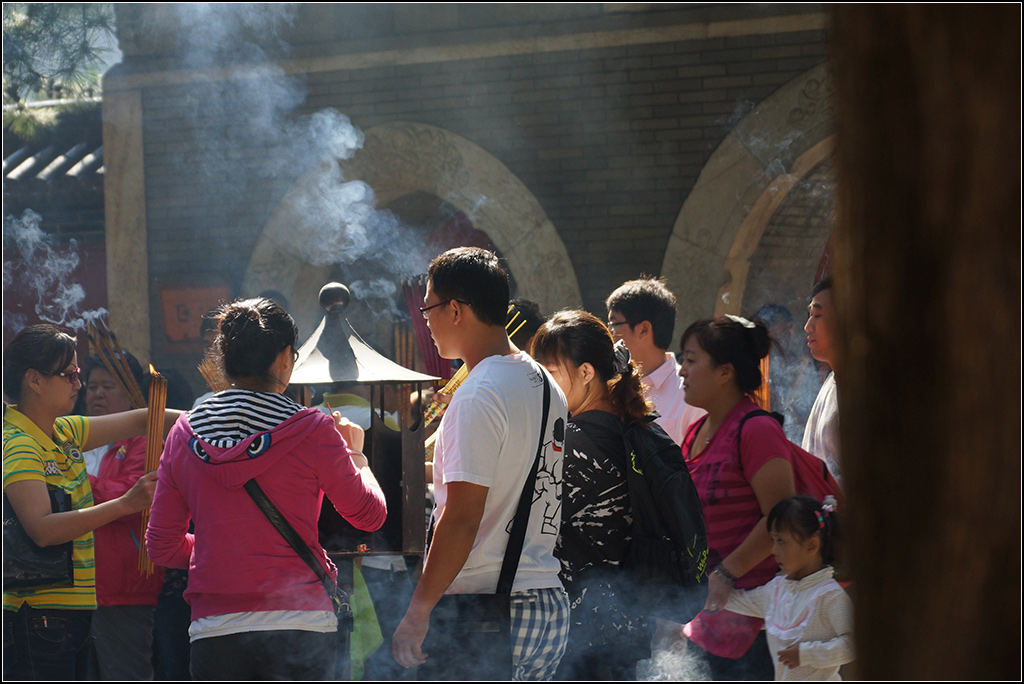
[738, 481]
[258, 610]
[603, 392]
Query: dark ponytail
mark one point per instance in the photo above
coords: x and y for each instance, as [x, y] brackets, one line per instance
[251, 333]
[628, 394]
[578, 337]
[736, 341]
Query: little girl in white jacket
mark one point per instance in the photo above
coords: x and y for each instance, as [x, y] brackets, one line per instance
[808, 617]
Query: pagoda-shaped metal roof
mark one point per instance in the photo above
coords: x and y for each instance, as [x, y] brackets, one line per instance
[336, 353]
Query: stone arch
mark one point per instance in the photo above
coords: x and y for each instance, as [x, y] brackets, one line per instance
[402, 157]
[793, 248]
[744, 181]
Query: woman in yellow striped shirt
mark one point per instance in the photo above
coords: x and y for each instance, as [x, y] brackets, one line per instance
[45, 627]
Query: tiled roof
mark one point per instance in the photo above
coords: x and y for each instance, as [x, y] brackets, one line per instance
[52, 161]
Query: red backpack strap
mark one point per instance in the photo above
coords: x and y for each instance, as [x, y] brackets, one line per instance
[756, 413]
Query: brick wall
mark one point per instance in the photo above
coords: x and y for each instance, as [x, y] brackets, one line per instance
[609, 140]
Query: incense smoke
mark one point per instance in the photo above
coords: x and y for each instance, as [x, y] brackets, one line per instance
[672, 664]
[775, 152]
[794, 375]
[255, 110]
[379, 295]
[45, 269]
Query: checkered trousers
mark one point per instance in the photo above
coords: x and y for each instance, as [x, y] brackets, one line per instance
[539, 631]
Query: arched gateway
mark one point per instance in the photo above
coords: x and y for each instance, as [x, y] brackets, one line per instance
[400, 158]
[770, 152]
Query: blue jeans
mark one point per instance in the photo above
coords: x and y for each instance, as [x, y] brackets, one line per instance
[46, 644]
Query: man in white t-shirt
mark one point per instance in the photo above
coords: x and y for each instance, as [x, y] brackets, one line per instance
[642, 313]
[485, 450]
[821, 436]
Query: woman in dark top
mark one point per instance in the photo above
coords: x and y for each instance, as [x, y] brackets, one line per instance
[602, 388]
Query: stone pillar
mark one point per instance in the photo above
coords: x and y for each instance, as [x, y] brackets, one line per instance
[124, 189]
[928, 291]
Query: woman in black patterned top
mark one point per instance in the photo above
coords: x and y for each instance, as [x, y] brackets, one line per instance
[602, 388]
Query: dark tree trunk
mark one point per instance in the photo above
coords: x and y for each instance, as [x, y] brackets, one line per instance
[928, 288]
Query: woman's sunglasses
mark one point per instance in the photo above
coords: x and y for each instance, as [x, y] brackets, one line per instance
[71, 375]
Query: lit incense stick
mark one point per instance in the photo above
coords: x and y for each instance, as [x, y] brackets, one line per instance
[154, 446]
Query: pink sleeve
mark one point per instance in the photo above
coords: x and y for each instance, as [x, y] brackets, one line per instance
[167, 539]
[118, 478]
[359, 501]
[762, 440]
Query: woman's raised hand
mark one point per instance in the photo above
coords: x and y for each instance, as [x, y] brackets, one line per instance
[349, 431]
[140, 496]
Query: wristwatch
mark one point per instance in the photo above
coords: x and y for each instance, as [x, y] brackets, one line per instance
[724, 575]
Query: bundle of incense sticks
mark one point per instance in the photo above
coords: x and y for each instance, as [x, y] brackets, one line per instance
[763, 394]
[213, 374]
[115, 360]
[405, 344]
[154, 446]
[436, 408]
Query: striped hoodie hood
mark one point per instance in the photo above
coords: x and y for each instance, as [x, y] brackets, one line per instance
[240, 433]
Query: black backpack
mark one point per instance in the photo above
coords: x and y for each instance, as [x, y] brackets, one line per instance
[669, 552]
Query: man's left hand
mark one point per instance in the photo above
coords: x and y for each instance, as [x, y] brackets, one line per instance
[407, 642]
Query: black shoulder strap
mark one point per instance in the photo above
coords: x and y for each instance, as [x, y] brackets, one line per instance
[282, 525]
[519, 524]
[778, 417]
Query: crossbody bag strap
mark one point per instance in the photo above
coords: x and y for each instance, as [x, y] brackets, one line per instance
[282, 525]
[519, 524]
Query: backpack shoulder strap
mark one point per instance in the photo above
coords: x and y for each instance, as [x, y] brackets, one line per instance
[756, 413]
[779, 418]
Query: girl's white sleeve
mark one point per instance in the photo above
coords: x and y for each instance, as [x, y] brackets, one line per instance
[837, 612]
[752, 602]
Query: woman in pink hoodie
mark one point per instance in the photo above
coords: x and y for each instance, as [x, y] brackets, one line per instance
[258, 611]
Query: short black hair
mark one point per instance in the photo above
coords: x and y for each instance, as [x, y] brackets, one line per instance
[822, 285]
[647, 299]
[527, 324]
[474, 276]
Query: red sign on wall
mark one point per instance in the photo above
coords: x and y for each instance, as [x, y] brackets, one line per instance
[183, 311]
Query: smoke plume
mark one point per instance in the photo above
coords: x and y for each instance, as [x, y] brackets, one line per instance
[256, 110]
[45, 270]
